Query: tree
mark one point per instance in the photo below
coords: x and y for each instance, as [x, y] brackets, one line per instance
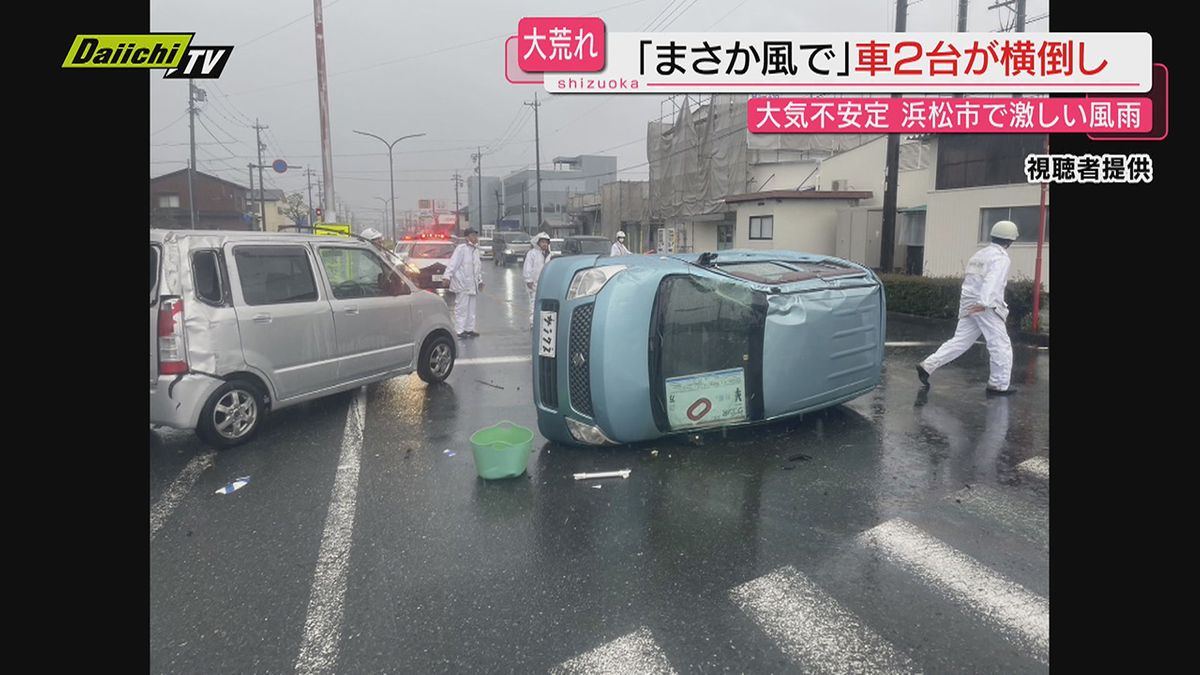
[294, 207]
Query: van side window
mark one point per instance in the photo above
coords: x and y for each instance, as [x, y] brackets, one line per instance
[275, 275]
[206, 275]
[355, 273]
[153, 271]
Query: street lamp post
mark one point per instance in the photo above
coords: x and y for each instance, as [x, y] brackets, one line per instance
[386, 202]
[392, 170]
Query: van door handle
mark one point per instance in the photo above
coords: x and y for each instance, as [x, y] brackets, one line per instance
[262, 318]
[352, 310]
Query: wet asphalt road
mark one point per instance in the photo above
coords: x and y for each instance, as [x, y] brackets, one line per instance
[905, 531]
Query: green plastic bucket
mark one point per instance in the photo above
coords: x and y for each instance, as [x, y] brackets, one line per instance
[501, 450]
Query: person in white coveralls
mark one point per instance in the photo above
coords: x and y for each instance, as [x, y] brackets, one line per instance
[618, 247]
[535, 260]
[465, 272]
[982, 311]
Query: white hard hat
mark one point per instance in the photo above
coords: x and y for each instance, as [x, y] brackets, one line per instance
[620, 235]
[538, 237]
[372, 234]
[1005, 229]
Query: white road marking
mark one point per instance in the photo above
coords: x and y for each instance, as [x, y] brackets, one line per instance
[323, 623]
[634, 653]
[1038, 467]
[484, 360]
[815, 630]
[177, 491]
[1021, 615]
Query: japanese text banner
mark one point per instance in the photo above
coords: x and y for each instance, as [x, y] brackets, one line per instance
[864, 62]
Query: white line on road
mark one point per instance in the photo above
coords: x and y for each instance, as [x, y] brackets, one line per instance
[177, 491]
[813, 629]
[1013, 514]
[1038, 467]
[323, 624]
[492, 359]
[634, 653]
[1015, 611]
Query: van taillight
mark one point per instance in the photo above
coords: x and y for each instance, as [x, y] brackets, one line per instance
[171, 357]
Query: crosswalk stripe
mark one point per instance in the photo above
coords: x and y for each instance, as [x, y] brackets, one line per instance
[1021, 615]
[1038, 467]
[634, 653]
[1013, 514]
[814, 629]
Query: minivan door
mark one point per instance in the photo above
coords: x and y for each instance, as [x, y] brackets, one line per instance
[372, 310]
[286, 321]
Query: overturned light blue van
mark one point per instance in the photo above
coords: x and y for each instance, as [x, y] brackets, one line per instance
[637, 347]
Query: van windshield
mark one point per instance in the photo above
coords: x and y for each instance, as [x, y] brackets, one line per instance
[596, 246]
[432, 250]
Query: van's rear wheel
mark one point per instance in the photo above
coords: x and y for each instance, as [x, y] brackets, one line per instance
[436, 360]
[232, 415]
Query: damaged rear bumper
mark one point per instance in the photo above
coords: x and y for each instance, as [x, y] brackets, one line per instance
[177, 401]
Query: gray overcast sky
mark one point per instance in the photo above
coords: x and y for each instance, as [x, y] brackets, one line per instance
[398, 68]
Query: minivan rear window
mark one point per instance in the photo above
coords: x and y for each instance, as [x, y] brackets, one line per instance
[153, 270]
[274, 275]
[206, 272]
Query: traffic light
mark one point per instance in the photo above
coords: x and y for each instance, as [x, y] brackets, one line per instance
[320, 218]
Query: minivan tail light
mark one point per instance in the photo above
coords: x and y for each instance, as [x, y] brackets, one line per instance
[172, 359]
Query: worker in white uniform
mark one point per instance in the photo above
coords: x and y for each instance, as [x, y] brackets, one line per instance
[375, 237]
[465, 272]
[982, 311]
[618, 247]
[535, 260]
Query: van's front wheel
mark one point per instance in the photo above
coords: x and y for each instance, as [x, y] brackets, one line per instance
[232, 415]
[436, 360]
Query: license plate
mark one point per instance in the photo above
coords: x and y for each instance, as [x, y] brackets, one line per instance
[547, 333]
[437, 277]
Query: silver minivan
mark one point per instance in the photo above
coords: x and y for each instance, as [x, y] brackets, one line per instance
[242, 323]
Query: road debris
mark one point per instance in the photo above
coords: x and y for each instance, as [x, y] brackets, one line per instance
[234, 486]
[489, 384]
[624, 473]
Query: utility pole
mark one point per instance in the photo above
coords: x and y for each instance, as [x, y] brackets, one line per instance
[261, 195]
[478, 157]
[309, 173]
[888, 250]
[537, 149]
[1020, 16]
[323, 94]
[457, 184]
[192, 165]
[250, 170]
[962, 16]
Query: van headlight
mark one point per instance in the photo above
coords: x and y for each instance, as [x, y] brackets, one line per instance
[590, 281]
[585, 433]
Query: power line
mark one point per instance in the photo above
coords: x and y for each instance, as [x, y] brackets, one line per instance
[735, 8]
[286, 25]
[677, 16]
[181, 116]
[658, 16]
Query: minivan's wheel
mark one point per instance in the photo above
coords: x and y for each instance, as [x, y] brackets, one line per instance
[436, 360]
[232, 415]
